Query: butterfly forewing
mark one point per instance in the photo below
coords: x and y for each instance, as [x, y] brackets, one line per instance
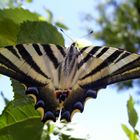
[109, 62]
[32, 60]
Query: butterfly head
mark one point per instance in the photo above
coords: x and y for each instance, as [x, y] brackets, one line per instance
[73, 49]
[74, 45]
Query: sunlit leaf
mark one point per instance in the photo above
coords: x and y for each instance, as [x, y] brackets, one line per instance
[39, 32]
[50, 15]
[129, 133]
[8, 32]
[18, 15]
[14, 29]
[18, 89]
[6, 101]
[10, 20]
[29, 1]
[132, 114]
[19, 120]
[61, 25]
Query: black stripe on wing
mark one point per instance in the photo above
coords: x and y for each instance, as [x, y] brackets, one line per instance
[126, 71]
[29, 60]
[18, 74]
[123, 56]
[83, 49]
[12, 50]
[89, 55]
[8, 72]
[63, 53]
[129, 66]
[37, 49]
[102, 52]
[114, 78]
[105, 63]
[50, 54]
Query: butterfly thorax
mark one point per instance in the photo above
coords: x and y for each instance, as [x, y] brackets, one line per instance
[68, 68]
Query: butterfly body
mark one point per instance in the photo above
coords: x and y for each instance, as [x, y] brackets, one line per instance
[60, 79]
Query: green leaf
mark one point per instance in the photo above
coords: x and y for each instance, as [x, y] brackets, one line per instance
[47, 132]
[61, 25]
[51, 128]
[132, 114]
[29, 1]
[68, 137]
[18, 15]
[129, 133]
[6, 101]
[136, 132]
[50, 15]
[19, 120]
[10, 20]
[8, 32]
[39, 32]
[18, 89]
[21, 26]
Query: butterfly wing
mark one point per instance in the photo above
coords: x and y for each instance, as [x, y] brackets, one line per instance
[31, 64]
[109, 65]
[98, 67]
[37, 65]
[34, 65]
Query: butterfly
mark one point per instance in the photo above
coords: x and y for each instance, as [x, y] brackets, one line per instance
[60, 79]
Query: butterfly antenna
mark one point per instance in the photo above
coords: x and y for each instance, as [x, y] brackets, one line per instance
[87, 35]
[66, 35]
[81, 55]
[84, 36]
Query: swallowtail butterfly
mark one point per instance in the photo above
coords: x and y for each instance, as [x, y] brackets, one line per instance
[61, 78]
